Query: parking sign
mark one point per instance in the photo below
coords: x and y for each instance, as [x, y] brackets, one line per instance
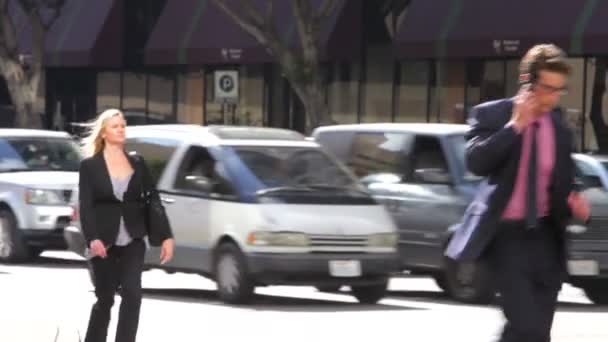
[226, 86]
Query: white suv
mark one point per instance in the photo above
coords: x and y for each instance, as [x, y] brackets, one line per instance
[38, 176]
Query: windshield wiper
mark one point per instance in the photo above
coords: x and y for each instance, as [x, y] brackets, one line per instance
[267, 191]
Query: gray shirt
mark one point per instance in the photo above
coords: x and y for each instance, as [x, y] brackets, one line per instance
[120, 186]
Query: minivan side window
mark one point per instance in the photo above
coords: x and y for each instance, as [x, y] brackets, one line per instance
[156, 151]
[427, 154]
[378, 152]
[199, 163]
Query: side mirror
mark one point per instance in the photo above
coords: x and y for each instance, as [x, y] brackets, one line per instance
[199, 183]
[589, 181]
[433, 176]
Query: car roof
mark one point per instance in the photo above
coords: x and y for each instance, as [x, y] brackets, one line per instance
[420, 128]
[37, 133]
[225, 135]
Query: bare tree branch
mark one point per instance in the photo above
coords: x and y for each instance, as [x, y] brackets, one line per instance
[8, 33]
[56, 6]
[299, 60]
[254, 23]
[251, 22]
[307, 29]
[328, 7]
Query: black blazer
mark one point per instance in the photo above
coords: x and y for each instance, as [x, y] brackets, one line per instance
[100, 210]
[493, 151]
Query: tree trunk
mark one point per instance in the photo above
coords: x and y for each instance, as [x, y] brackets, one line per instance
[24, 99]
[311, 92]
[596, 111]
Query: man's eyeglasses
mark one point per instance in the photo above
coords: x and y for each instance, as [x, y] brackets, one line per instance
[547, 88]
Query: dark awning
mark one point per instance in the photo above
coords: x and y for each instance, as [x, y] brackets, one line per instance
[88, 33]
[494, 28]
[198, 32]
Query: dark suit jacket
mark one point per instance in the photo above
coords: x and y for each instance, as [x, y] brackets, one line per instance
[100, 210]
[493, 151]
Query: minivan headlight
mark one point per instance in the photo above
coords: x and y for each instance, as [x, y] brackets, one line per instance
[43, 197]
[286, 239]
[383, 240]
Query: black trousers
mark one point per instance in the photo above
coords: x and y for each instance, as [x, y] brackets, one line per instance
[122, 267]
[528, 275]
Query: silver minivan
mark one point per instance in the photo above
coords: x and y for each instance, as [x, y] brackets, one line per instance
[253, 206]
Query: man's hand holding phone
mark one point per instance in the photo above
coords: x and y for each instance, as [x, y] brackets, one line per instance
[524, 108]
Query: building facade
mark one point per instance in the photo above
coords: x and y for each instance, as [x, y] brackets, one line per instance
[383, 61]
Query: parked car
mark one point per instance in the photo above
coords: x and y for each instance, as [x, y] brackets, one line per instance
[589, 247]
[38, 174]
[418, 171]
[261, 206]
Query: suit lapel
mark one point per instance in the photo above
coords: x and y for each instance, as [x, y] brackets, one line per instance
[104, 173]
[102, 166]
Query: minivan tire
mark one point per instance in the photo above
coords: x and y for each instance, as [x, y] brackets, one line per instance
[596, 290]
[469, 282]
[234, 284]
[370, 294]
[13, 247]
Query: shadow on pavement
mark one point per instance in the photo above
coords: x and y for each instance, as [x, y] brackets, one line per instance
[264, 302]
[439, 297]
[56, 263]
[436, 297]
[581, 307]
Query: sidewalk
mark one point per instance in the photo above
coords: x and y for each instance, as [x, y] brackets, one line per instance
[37, 331]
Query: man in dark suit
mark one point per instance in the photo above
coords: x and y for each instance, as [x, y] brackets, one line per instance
[523, 148]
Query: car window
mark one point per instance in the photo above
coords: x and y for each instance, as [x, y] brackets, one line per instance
[39, 154]
[156, 151]
[198, 162]
[585, 169]
[427, 155]
[377, 153]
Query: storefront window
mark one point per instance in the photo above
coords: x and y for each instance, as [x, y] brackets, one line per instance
[413, 91]
[160, 100]
[450, 77]
[134, 98]
[108, 90]
[343, 92]
[190, 98]
[250, 111]
[378, 84]
[572, 103]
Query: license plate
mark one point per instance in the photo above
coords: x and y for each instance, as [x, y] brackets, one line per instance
[583, 267]
[345, 268]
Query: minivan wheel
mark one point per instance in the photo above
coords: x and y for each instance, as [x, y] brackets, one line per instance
[370, 294]
[12, 246]
[469, 282]
[596, 290]
[234, 285]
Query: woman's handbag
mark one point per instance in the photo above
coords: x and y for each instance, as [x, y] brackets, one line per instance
[156, 220]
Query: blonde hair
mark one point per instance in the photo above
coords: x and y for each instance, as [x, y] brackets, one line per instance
[93, 142]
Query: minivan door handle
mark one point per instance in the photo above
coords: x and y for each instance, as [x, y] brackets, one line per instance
[167, 200]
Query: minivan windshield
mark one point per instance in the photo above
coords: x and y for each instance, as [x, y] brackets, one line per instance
[38, 154]
[296, 168]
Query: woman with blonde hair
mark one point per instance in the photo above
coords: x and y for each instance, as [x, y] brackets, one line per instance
[114, 190]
